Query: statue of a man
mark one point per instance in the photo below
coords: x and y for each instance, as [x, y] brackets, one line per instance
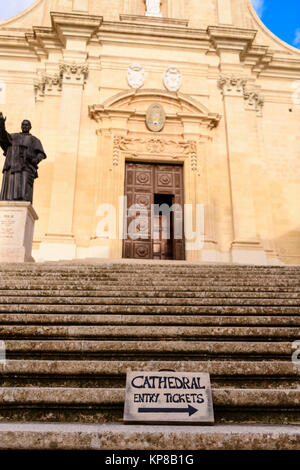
[23, 152]
[153, 8]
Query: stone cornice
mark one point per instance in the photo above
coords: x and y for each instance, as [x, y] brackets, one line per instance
[230, 39]
[40, 41]
[154, 20]
[258, 58]
[144, 33]
[15, 46]
[43, 40]
[99, 112]
[68, 25]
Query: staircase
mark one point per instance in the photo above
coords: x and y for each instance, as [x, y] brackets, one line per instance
[73, 330]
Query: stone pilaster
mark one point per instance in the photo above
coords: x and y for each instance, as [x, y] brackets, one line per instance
[64, 177]
[246, 247]
[74, 30]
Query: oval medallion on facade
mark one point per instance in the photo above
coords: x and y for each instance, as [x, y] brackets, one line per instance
[155, 118]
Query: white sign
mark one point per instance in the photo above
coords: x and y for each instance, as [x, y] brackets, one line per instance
[168, 397]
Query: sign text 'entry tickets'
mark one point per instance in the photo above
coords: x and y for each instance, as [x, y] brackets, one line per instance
[168, 397]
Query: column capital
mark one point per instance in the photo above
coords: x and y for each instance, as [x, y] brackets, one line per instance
[232, 85]
[254, 101]
[73, 72]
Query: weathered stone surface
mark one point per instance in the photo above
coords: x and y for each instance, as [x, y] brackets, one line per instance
[151, 347]
[158, 320]
[116, 436]
[72, 332]
[223, 368]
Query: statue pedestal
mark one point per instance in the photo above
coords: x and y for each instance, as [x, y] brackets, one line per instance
[17, 220]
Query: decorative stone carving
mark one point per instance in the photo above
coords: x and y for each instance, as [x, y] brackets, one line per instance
[155, 118]
[172, 79]
[116, 149]
[193, 155]
[47, 84]
[135, 76]
[75, 72]
[39, 87]
[259, 105]
[153, 8]
[155, 145]
[159, 146]
[232, 85]
[53, 84]
[254, 101]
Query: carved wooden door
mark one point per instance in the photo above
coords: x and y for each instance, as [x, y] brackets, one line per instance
[143, 184]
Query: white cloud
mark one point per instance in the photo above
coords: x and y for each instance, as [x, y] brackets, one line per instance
[259, 6]
[296, 41]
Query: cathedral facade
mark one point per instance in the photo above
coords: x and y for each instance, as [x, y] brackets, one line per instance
[186, 104]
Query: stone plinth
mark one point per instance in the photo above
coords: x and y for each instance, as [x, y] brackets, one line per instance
[17, 220]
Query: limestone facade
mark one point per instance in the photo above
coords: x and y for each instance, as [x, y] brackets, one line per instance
[85, 72]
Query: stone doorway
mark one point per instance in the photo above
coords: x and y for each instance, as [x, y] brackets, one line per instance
[151, 190]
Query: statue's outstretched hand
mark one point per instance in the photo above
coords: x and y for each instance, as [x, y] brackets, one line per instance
[2, 118]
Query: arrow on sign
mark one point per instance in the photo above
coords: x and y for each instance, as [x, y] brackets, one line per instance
[190, 410]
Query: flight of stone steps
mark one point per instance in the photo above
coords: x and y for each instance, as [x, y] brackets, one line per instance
[73, 330]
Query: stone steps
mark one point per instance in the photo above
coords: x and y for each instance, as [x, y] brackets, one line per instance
[42, 436]
[16, 293]
[91, 405]
[193, 333]
[136, 301]
[110, 373]
[119, 368]
[73, 330]
[274, 350]
[146, 320]
[150, 309]
[78, 287]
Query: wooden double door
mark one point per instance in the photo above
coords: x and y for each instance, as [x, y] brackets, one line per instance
[152, 230]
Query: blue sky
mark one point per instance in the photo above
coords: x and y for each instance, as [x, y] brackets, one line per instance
[280, 16]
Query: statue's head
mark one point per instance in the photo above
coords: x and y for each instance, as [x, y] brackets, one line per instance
[26, 126]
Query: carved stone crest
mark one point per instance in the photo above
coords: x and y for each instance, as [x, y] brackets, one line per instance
[135, 75]
[172, 79]
[155, 118]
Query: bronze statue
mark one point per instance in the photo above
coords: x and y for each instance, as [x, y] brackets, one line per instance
[23, 152]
